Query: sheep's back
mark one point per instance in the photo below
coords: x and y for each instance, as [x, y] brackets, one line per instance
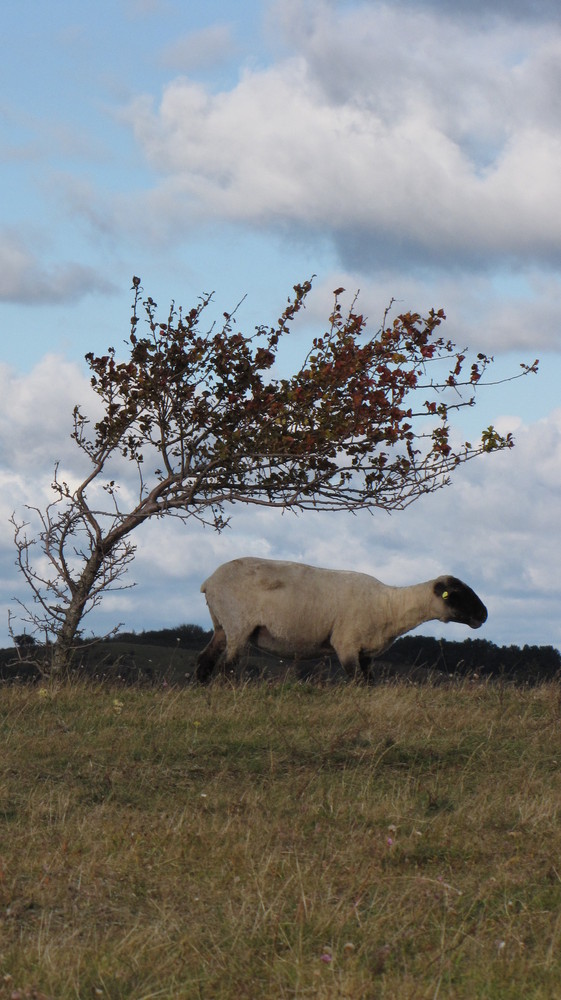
[298, 605]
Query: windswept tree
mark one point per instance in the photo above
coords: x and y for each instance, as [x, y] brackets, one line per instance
[363, 423]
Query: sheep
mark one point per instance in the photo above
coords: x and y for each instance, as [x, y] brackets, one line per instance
[291, 609]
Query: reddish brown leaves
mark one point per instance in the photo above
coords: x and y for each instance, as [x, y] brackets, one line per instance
[347, 429]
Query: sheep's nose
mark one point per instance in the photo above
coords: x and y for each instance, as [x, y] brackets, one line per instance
[481, 618]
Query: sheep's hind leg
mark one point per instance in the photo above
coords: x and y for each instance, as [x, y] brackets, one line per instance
[210, 655]
[235, 647]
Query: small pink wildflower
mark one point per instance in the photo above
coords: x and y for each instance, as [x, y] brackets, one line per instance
[326, 957]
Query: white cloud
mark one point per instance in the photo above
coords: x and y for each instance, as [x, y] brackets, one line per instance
[523, 9]
[26, 280]
[36, 414]
[406, 135]
[421, 147]
[199, 49]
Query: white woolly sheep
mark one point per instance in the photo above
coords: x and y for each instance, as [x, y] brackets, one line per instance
[291, 609]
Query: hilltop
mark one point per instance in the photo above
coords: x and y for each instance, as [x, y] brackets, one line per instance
[170, 654]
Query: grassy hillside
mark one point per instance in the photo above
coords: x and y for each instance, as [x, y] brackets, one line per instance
[276, 841]
[170, 654]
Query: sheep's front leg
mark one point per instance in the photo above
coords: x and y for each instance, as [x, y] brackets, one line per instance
[210, 655]
[365, 665]
[351, 662]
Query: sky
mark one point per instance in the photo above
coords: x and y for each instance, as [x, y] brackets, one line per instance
[411, 150]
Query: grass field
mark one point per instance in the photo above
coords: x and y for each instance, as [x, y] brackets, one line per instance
[280, 841]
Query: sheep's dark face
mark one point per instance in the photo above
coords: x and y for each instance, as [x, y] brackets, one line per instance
[459, 602]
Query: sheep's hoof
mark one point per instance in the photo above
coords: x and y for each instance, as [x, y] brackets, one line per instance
[202, 674]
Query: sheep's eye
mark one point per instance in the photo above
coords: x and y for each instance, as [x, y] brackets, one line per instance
[444, 595]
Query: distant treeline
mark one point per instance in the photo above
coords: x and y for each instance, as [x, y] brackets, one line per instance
[418, 653]
[172, 652]
[476, 657]
[182, 637]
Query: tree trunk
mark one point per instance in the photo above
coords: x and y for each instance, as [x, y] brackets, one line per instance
[65, 646]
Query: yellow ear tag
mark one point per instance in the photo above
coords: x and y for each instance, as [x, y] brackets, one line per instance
[444, 595]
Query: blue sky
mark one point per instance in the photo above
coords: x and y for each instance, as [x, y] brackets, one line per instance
[412, 150]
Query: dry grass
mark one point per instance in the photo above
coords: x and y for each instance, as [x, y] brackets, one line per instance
[280, 842]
